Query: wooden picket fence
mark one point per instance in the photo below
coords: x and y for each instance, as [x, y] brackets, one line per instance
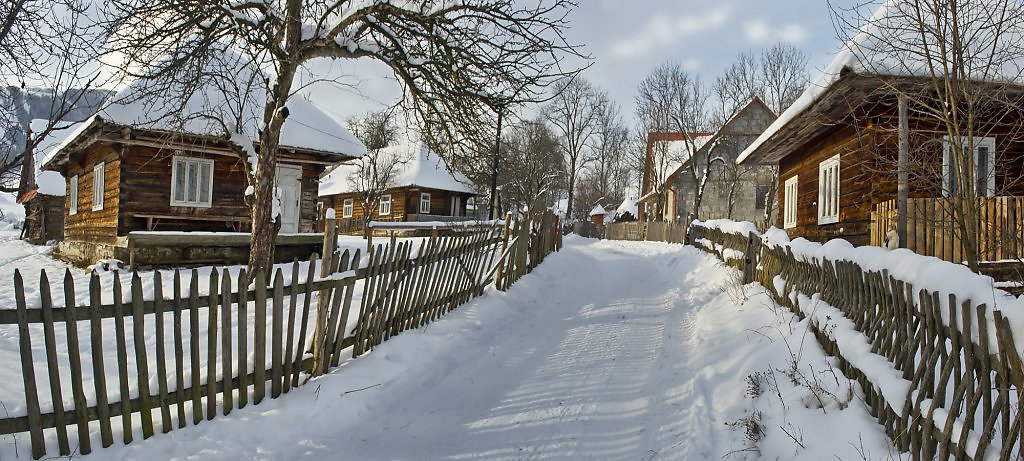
[964, 395]
[647, 231]
[401, 288]
[931, 229]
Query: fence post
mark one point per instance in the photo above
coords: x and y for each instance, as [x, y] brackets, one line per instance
[501, 257]
[750, 259]
[323, 302]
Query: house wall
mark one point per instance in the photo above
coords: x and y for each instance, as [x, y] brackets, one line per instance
[868, 149]
[405, 202]
[87, 225]
[138, 184]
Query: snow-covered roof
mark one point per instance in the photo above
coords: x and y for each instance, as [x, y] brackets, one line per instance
[598, 210]
[869, 51]
[51, 182]
[147, 104]
[422, 168]
[679, 152]
[628, 206]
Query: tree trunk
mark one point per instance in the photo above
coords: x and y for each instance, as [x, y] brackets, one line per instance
[572, 189]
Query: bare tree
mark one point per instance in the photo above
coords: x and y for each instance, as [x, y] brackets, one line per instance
[956, 66]
[671, 99]
[534, 166]
[375, 173]
[778, 76]
[574, 112]
[450, 57]
[607, 179]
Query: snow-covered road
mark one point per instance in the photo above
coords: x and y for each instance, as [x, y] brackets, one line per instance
[609, 350]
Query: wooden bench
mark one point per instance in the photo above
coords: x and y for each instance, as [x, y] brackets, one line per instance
[152, 220]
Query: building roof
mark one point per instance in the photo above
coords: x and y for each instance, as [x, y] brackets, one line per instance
[146, 105]
[867, 53]
[726, 129]
[598, 211]
[422, 168]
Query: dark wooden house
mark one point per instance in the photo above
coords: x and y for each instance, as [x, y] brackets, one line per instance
[128, 174]
[837, 151]
[422, 189]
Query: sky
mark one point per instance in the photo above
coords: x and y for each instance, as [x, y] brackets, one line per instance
[629, 38]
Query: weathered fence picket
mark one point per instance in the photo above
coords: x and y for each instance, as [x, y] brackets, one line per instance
[402, 287]
[962, 402]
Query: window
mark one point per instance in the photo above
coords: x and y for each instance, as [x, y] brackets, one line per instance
[425, 203]
[346, 208]
[192, 182]
[789, 220]
[984, 167]
[385, 205]
[761, 196]
[828, 191]
[97, 187]
[73, 195]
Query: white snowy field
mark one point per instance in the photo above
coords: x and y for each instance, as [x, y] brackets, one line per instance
[609, 350]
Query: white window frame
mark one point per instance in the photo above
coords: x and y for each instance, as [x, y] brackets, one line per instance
[425, 200]
[346, 208]
[98, 172]
[789, 208]
[199, 162]
[828, 190]
[73, 195]
[384, 207]
[990, 174]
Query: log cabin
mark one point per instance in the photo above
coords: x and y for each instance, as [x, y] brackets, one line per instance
[423, 188]
[129, 169]
[837, 149]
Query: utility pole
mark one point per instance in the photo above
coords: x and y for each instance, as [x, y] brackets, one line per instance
[494, 168]
[902, 177]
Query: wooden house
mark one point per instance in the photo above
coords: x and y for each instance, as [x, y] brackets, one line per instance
[42, 192]
[130, 169]
[421, 189]
[666, 152]
[837, 150]
[731, 191]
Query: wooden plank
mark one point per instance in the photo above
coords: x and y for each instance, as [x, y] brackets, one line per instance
[346, 309]
[211, 345]
[289, 343]
[226, 364]
[161, 351]
[141, 358]
[307, 297]
[99, 374]
[179, 350]
[277, 335]
[28, 372]
[260, 338]
[122, 360]
[75, 361]
[196, 366]
[243, 340]
[339, 312]
[56, 396]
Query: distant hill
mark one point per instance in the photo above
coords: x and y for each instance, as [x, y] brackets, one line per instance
[20, 106]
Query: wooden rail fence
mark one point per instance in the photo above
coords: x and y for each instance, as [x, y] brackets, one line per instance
[931, 229]
[200, 356]
[647, 231]
[959, 359]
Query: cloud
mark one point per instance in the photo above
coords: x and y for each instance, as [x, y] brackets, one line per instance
[664, 30]
[759, 32]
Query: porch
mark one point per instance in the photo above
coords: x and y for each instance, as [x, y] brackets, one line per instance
[931, 230]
